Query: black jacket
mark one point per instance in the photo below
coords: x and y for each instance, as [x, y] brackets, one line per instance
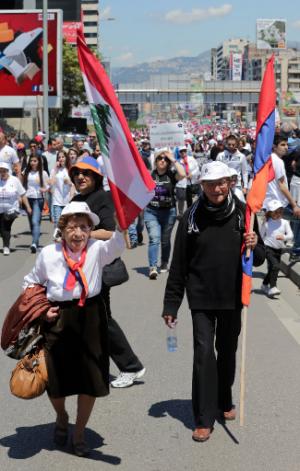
[208, 264]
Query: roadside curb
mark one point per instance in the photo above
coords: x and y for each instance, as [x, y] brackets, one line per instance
[290, 269]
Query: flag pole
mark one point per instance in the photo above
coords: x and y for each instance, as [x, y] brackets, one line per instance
[244, 342]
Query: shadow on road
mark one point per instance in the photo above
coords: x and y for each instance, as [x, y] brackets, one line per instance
[29, 441]
[142, 270]
[179, 409]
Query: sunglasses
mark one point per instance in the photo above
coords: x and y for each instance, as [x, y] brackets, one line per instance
[161, 158]
[85, 173]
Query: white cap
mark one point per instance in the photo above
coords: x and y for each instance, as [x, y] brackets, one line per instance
[233, 172]
[78, 207]
[182, 148]
[272, 205]
[5, 165]
[214, 171]
[160, 151]
[219, 137]
[41, 133]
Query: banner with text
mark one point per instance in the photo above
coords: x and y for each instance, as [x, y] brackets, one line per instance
[166, 135]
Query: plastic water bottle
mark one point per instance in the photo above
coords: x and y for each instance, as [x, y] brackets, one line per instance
[172, 339]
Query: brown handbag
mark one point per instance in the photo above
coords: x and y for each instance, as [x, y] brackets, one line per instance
[29, 378]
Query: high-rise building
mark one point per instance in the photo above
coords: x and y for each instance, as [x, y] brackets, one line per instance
[71, 8]
[90, 13]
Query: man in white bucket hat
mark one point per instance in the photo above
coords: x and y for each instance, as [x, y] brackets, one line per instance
[207, 263]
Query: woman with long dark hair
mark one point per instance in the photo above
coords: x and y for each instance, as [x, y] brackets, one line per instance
[60, 184]
[35, 181]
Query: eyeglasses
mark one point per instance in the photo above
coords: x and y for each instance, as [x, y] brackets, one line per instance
[82, 227]
[85, 173]
[161, 158]
[213, 183]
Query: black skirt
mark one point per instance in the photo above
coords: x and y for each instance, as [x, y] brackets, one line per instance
[76, 350]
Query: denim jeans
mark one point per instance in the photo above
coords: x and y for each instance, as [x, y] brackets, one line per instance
[159, 224]
[136, 228]
[35, 218]
[56, 213]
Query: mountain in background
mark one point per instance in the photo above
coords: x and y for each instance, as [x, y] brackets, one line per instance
[177, 65]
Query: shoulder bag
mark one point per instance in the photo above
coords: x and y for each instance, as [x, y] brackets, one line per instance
[115, 273]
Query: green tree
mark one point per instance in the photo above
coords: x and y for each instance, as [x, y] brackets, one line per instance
[73, 87]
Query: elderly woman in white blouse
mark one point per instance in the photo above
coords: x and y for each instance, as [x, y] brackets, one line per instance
[76, 346]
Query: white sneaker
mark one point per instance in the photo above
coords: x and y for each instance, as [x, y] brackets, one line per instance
[6, 251]
[265, 288]
[127, 379]
[273, 291]
[153, 273]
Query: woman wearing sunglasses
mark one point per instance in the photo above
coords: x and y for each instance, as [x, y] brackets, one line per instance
[160, 214]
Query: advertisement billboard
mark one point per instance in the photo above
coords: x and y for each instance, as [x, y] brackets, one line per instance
[271, 34]
[21, 58]
[236, 66]
[70, 31]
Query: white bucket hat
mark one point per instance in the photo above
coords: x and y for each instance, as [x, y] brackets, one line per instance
[5, 166]
[78, 207]
[272, 205]
[233, 172]
[214, 171]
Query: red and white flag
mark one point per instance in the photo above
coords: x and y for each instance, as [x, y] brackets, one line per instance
[129, 180]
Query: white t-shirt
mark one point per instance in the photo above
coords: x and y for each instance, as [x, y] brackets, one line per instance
[51, 159]
[60, 189]
[273, 190]
[10, 192]
[34, 184]
[193, 170]
[274, 227]
[238, 162]
[9, 156]
[50, 268]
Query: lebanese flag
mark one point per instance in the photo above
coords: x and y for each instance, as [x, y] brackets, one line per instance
[130, 182]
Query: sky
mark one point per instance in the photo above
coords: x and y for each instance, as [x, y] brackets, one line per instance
[143, 31]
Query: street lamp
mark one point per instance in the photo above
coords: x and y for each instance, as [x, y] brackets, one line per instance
[105, 63]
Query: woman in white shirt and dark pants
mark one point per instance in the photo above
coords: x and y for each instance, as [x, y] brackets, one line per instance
[75, 327]
[60, 184]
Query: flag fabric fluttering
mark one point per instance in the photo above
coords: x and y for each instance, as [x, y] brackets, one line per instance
[263, 169]
[130, 182]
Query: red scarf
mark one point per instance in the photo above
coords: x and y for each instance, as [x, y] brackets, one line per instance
[186, 165]
[75, 273]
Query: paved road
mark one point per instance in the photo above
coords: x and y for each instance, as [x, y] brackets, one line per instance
[148, 426]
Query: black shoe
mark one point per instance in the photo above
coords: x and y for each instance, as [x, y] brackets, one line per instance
[33, 248]
[80, 449]
[133, 245]
[60, 436]
[140, 238]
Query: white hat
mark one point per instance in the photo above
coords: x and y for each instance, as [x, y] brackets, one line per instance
[233, 172]
[160, 151]
[182, 148]
[214, 171]
[78, 207]
[219, 137]
[41, 133]
[5, 165]
[272, 205]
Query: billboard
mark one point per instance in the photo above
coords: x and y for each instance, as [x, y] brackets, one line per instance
[236, 65]
[271, 34]
[21, 58]
[70, 31]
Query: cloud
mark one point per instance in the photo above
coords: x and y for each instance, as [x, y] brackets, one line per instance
[183, 52]
[296, 24]
[127, 58]
[105, 13]
[196, 14]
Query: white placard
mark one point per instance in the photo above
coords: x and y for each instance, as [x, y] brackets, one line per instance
[166, 135]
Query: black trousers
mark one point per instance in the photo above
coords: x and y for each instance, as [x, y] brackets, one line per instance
[119, 349]
[213, 377]
[273, 257]
[5, 228]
